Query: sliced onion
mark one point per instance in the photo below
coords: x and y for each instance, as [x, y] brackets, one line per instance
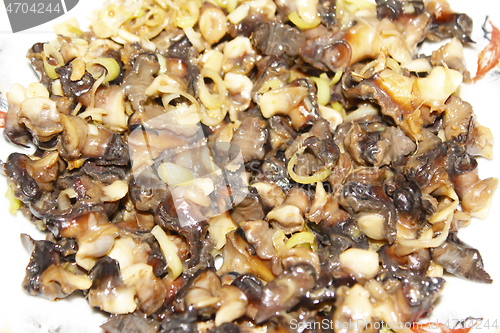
[301, 24]
[207, 98]
[195, 39]
[273, 83]
[323, 90]
[436, 241]
[187, 15]
[339, 108]
[154, 17]
[14, 204]
[230, 5]
[213, 59]
[127, 36]
[96, 85]
[50, 51]
[169, 91]
[362, 111]
[318, 176]
[213, 117]
[304, 237]
[163, 83]
[393, 64]
[111, 66]
[336, 77]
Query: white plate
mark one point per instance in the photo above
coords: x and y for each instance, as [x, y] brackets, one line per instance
[460, 299]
